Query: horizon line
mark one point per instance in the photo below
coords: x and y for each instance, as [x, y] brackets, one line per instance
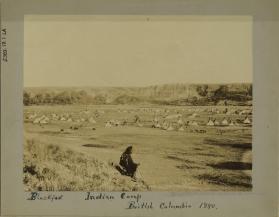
[96, 86]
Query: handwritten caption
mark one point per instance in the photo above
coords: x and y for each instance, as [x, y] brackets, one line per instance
[132, 200]
[45, 196]
[4, 45]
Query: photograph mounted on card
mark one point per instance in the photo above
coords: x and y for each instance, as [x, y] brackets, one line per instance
[116, 110]
[137, 103]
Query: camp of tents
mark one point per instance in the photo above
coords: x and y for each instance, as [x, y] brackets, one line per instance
[162, 119]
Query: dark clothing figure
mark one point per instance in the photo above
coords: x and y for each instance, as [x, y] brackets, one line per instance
[127, 162]
[137, 118]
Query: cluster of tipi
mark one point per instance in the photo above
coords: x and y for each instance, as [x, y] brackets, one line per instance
[179, 124]
[169, 122]
[43, 119]
[226, 122]
[170, 126]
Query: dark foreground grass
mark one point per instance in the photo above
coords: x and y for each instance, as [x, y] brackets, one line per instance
[230, 143]
[232, 165]
[240, 180]
[53, 168]
[220, 162]
[229, 172]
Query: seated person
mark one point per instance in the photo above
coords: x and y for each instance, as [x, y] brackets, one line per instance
[127, 162]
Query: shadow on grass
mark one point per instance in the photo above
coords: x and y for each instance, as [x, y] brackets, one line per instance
[197, 149]
[227, 180]
[187, 166]
[54, 133]
[232, 165]
[229, 143]
[97, 146]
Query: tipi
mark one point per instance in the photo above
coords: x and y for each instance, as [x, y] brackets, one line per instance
[247, 121]
[210, 122]
[225, 122]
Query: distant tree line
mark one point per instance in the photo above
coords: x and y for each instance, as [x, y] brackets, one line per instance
[62, 98]
[223, 93]
[181, 95]
[214, 97]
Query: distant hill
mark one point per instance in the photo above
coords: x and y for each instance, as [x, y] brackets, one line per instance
[170, 94]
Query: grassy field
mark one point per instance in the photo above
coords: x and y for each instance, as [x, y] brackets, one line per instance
[77, 155]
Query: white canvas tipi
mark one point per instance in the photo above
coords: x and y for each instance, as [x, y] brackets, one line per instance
[181, 129]
[210, 123]
[170, 128]
[180, 121]
[108, 124]
[92, 120]
[225, 122]
[247, 121]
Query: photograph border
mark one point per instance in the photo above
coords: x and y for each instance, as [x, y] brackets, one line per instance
[262, 201]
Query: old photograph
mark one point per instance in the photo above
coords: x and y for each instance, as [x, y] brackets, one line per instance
[137, 103]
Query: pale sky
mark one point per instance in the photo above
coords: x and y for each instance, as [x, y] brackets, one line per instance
[136, 51]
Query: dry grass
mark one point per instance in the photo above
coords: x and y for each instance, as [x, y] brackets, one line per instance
[53, 168]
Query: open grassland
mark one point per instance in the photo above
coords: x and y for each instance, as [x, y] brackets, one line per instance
[52, 168]
[76, 154]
